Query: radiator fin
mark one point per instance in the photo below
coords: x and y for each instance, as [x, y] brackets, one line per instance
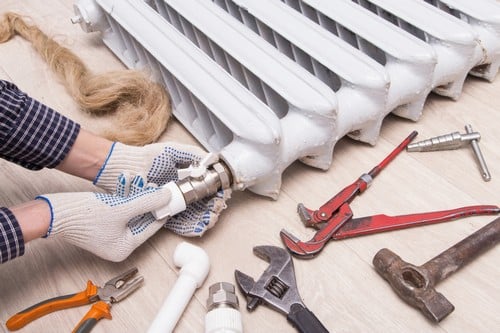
[265, 83]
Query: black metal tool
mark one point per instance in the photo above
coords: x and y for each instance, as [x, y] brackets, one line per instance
[278, 289]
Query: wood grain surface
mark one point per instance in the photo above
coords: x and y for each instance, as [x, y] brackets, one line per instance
[340, 286]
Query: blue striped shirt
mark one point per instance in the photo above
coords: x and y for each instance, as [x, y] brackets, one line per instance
[35, 137]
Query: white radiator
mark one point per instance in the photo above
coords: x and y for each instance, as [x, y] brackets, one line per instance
[484, 18]
[360, 83]
[457, 46]
[305, 107]
[265, 83]
[409, 62]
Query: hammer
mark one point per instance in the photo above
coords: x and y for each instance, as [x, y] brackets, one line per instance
[415, 284]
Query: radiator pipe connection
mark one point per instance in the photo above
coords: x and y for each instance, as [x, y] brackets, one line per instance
[198, 181]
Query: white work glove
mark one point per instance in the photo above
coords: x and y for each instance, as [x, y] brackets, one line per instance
[108, 225]
[160, 162]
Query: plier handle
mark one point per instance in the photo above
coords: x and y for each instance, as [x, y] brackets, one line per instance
[113, 291]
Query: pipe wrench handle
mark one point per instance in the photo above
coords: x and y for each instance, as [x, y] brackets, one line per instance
[304, 320]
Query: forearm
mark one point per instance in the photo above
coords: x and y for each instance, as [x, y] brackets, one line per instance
[33, 218]
[21, 224]
[86, 156]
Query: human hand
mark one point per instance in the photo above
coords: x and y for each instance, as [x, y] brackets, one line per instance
[160, 162]
[109, 225]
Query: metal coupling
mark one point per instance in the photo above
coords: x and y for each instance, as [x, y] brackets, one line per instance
[222, 294]
[223, 315]
[367, 179]
[216, 177]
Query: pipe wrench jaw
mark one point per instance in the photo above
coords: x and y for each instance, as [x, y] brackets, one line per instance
[310, 248]
[309, 217]
[306, 215]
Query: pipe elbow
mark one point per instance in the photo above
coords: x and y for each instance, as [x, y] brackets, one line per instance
[193, 261]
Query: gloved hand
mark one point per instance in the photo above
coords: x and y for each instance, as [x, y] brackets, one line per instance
[159, 162]
[108, 225]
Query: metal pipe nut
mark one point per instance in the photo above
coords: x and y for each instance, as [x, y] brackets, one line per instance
[222, 294]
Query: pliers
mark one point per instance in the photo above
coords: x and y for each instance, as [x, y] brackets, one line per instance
[335, 219]
[113, 291]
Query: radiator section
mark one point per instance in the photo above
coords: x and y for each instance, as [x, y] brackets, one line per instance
[409, 62]
[360, 82]
[455, 43]
[221, 114]
[484, 18]
[305, 107]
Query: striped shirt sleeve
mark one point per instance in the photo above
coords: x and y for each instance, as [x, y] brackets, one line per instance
[32, 134]
[11, 237]
[35, 137]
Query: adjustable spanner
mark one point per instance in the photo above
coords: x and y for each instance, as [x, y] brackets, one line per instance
[278, 289]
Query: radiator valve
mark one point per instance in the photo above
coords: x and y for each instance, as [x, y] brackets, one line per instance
[196, 182]
[223, 314]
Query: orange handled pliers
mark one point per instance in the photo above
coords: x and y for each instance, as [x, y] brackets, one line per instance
[113, 291]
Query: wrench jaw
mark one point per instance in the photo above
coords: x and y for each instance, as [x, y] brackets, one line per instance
[316, 219]
[269, 296]
[312, 247]
[298, 247]
[246, 284]
[306, 216]
[278, 258]
[276, 287]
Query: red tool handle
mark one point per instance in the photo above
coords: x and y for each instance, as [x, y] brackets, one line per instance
[325, 212]
[376, 170]
[38, 310]
[380, 223]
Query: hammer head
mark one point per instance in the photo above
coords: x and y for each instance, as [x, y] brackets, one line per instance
[413, 284]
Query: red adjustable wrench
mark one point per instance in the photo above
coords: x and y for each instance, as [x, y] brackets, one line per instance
[335, 219]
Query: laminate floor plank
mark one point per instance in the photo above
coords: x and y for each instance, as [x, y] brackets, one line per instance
[340, 285]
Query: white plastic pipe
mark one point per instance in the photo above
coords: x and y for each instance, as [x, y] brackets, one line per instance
[194, 264]
[223, 320]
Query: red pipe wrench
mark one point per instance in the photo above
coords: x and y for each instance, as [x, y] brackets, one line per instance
[335, 219]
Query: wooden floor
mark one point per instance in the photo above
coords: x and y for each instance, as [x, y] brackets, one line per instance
[340, 286]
